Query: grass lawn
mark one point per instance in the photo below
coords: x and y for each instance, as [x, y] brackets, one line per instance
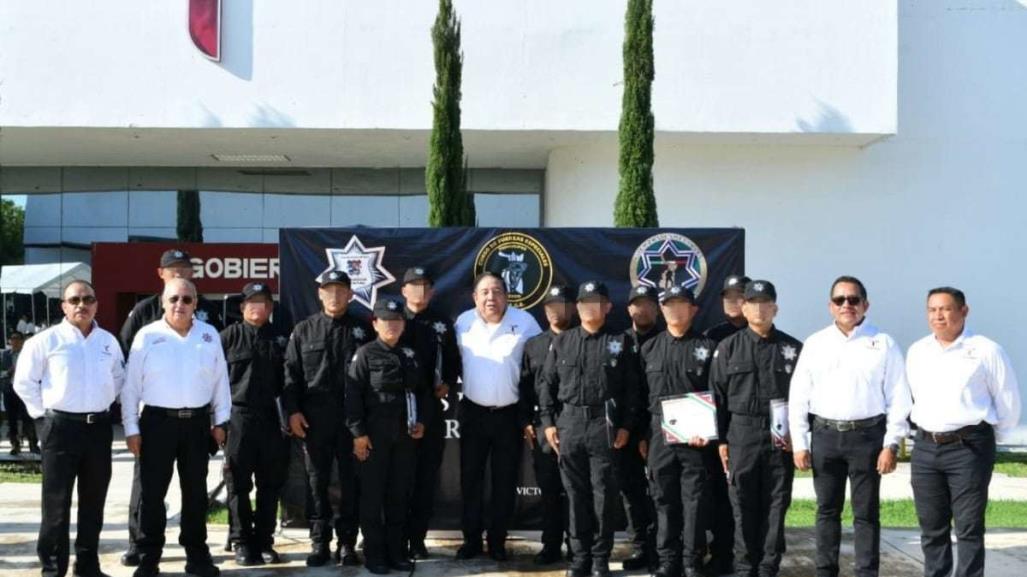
[902, 514]
[27, 472]
[1012, 464]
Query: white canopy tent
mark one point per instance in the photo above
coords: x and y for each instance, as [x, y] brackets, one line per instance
[49, 279]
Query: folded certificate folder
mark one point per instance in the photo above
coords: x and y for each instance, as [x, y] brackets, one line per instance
[687, 416]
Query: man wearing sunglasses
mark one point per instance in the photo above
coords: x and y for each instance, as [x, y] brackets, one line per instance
[850, 384]
[68, 376]
[177, 370]
[174, 263]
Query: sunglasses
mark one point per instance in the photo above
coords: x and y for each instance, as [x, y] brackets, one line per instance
[86, 300]
[186, 300]
[851, 299]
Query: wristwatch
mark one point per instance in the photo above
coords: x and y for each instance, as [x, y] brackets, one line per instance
[894, 448]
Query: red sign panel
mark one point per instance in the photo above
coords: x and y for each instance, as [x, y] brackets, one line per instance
[205, 27]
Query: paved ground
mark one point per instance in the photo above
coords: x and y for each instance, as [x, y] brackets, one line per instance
[19, 523]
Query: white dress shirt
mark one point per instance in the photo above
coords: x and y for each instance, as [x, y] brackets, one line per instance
[849, 378]
[492, 355]
[62, 370]
[175, 372]
[963, 384]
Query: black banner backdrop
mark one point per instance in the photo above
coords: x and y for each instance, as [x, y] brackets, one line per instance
[531, 261]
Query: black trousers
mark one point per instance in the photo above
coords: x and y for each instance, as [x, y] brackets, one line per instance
[73, 450]
[430, 450]
[18, 421]
[257, 454]
[587, 468]
[634, 489]
[488, 437]
[839, 457]
[950, 483]
[715, 512]
[679, 480]
[329, 444]
[554, 499]
[386, 479]
[760, 486]
[167, 442]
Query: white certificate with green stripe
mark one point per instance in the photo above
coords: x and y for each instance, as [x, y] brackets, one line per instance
[687, 416]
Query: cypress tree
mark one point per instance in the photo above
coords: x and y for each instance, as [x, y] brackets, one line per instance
[446, 175]
[189, 227]
[636, 204]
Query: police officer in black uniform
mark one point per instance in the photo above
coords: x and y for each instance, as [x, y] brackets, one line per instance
[559, 308]
[731, 297]
[174, 263]
[715, 510]
[316, 361]
[676, 363]
[431, 334]
[643, 309]
[591, 375]
[750, 369]
[384, 400]
[257, 450]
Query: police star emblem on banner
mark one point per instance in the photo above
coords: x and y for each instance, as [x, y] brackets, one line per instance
[365, 268]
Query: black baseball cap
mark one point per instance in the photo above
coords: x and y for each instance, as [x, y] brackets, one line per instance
[760, 290]
[388, 309]
[592, 288]
[677, 292]
[643, 292]
[735, 282]
[559, 294]
[174, 256]
[334, 277]
[256, 288]
[417, 273]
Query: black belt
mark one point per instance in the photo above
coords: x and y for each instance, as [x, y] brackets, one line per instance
[87, 418]
[187, 413]
[489, 408]
[944, 438]
[845, 426]
[587, 411]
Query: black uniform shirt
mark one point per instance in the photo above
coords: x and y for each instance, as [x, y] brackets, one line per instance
[150, 309]
[723, 330]
[377, 383]
[317, 356]
[584, 369]
[426, 332]
[673, 366]
[749, 371]
[255, 357]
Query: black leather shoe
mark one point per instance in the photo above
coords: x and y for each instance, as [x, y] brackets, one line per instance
[548, 556]
[130, 558]
[418, 550]
[93, 571]
[147, 570]
[246, 557]
[637, 560]
[376, 567]
[600, 568]
[269, 555]
[403, 565]
[467, 551]
[318, 557]
[202, 569]
[498, 553]
[348, 556]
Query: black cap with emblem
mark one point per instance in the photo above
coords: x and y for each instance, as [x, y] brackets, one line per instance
[592, 289]
[417, 273]
[388, 309]
[643, 292]
[173, 257]
[677, 292]
[760, 290]
[734, 282]
[256, 289]
[334, 277]
[559, 294]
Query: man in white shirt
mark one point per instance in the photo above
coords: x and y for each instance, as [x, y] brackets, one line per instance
[68, 376]
[965, 395]
[491, 337]
[177, 370]
[850, 384]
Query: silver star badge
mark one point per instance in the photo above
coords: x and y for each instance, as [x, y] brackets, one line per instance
[554, 291]
[640, 290]
[440, 327]
[615, 347]
[409, 352]
[701, 354]
[758, 286]
[358, 333]
[282, 341]
[789, 352]
[258, 287]
[590, 287]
